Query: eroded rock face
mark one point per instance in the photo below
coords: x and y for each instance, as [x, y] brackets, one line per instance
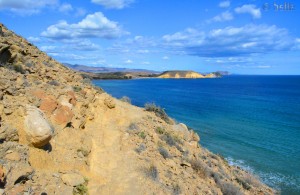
[72, 179]
[109, 102]
[37, 128]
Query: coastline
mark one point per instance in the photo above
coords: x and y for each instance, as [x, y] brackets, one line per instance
[59, 130]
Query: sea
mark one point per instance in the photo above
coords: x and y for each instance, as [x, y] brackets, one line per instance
[253, 121]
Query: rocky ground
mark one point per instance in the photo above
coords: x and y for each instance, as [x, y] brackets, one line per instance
[61, 135]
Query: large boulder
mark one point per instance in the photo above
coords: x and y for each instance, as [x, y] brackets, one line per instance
[37, 128]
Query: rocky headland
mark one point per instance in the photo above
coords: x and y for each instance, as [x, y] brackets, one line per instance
[179, 74]
[61, 135]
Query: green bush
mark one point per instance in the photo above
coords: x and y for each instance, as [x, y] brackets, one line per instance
[142, 135]
[160, 112]
[77, 88]
[80, 190]
[160, 130]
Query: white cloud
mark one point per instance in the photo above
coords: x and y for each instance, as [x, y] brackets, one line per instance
[224, 4]
[128, 62]
[146, 63]
[264, 66]
[249, 9]
[165, 58]
[34, 39]
[113, 4]
[26, 7]
[65, 8]
[231, 41]
[143, 51]
[93, 25]
[49, 48]
[225, 16]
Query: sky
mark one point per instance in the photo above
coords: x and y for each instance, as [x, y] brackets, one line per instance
[242, 37]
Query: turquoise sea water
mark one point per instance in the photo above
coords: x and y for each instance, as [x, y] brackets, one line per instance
[253, 121]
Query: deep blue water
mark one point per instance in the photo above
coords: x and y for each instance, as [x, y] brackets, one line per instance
[254, 121]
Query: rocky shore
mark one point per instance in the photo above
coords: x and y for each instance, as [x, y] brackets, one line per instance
[61, 135]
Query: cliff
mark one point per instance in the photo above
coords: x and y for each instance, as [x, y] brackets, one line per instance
[185, 74]
[61, 135]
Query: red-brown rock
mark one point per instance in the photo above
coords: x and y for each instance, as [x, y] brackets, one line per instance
[63, 115]
[39, 93]
[48, 104]
[72, 97]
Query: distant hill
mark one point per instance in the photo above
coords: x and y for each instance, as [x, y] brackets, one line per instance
[186, 74]
[92, 69]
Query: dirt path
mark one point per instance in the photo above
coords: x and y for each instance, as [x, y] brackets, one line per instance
[112, 171]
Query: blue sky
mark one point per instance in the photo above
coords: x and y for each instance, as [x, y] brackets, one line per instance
[245, 37]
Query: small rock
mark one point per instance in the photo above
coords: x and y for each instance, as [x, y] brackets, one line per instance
[8, 133]
[37, 128]
[18, 173]
[48, 104]
[109, 102]
[185, 164]
[72, 179]
[7, 111]
[63, 115]
[14, 156]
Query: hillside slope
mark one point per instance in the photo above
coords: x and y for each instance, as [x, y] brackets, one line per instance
[179, 74]
[61, 135]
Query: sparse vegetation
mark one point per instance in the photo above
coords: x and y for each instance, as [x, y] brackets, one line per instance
[245, 185]
[250, 180]
[19, 68]
[152, 172]
[160, 130]
[230, 189]
[164, 152]
[54, 83]
[80, 190]
[141, 148]
[86, 81]
[77, 88]
[176, 189]
[168, 138]
[160, 112]
[126, 99]
[142, 135]
[133, 127]
[98, 89]
[200, 167]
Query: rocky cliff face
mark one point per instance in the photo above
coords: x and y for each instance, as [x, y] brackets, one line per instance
[185, 75]
[61, 135]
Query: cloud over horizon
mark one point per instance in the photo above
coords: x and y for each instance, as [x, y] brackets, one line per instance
[231, 41]
[92, 26]
[26, 7]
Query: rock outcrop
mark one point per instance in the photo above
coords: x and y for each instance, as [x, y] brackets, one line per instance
[179, 74]
[37, 128]
[61, 135]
